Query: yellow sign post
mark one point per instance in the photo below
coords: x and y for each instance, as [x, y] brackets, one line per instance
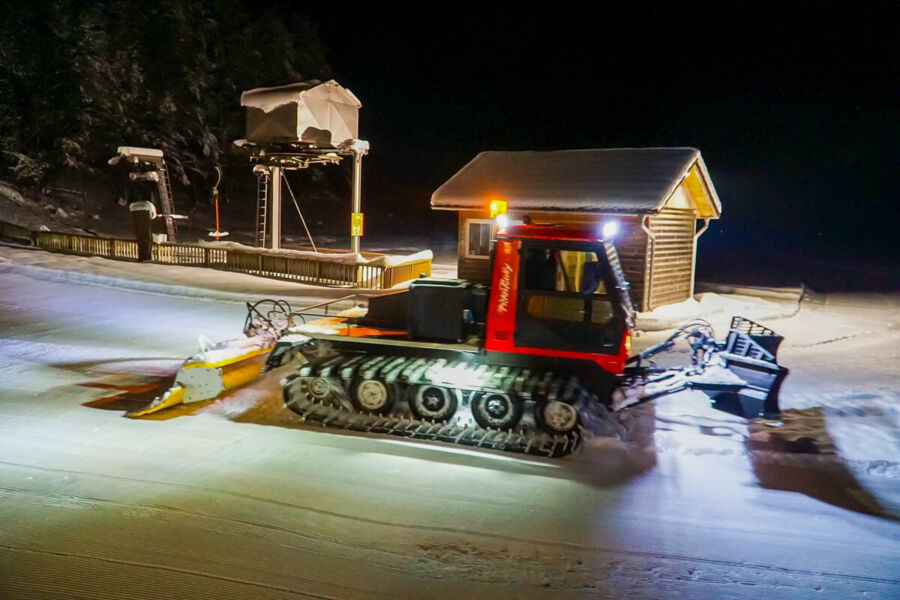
[356, 224]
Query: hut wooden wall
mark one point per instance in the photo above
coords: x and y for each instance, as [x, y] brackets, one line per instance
[670, 257]
[631, 244]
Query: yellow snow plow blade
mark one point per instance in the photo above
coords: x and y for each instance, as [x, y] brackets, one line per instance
[209, 374]
[174, 395]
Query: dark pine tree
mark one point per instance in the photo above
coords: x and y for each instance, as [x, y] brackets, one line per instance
[79, 78]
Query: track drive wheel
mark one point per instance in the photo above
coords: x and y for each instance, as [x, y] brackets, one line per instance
[432, 402]
[324, 390]
[496, 410]
[372, 395]
[556, 416]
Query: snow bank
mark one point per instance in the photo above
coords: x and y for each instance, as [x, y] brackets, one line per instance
[10, 193]
[711, 306]
[149, 278]
[788, 294]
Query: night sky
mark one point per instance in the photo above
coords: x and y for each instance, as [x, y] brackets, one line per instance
[795, 111]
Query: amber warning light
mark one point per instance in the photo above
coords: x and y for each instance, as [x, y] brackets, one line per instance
[498, 213]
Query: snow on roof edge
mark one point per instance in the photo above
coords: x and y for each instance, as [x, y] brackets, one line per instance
[454, 176]
[464, 202]
[673, 185]
[713, 194]
[268, 99]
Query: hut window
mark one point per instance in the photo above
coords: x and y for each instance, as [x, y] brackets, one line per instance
[478, 238]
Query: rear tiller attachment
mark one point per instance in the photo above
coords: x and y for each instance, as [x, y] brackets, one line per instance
[741, 376]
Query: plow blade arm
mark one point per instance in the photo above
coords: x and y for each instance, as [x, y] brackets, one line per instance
[741, 376]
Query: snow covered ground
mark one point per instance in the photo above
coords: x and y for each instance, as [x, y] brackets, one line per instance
[236, 499]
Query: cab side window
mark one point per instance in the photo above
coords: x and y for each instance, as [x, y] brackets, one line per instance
[574, 278]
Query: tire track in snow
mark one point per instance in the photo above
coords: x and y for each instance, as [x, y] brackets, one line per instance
[189, 572]
[459, 531]
[91, 501]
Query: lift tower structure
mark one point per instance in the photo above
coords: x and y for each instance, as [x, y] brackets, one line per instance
[293, 127]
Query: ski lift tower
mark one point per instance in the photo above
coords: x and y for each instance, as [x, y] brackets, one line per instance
[149, 164]
[292, 127]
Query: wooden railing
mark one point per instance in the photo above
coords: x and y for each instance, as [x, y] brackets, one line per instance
[400, 273]
[305, 269]
[16, 234]
[86, 245]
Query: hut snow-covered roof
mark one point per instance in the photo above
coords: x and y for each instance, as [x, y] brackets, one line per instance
[623, 180]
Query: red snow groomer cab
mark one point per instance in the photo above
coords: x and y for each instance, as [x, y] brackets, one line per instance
[527, 365]
[559, 293]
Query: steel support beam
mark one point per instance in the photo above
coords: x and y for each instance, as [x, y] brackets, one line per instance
[276, 208]
[355, 231]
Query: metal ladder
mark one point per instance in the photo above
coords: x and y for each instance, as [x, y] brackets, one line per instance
[165, 198]
[262, 204]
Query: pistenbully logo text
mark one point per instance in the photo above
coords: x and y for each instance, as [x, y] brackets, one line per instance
[505, 285]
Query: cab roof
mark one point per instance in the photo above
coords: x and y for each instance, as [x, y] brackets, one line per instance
[552, 232]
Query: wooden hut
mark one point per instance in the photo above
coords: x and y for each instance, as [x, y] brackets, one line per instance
[655, 195]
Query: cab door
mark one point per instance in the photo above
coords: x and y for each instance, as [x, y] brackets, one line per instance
[567, 299]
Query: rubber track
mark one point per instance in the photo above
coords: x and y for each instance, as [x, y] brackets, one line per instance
[336, 411]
